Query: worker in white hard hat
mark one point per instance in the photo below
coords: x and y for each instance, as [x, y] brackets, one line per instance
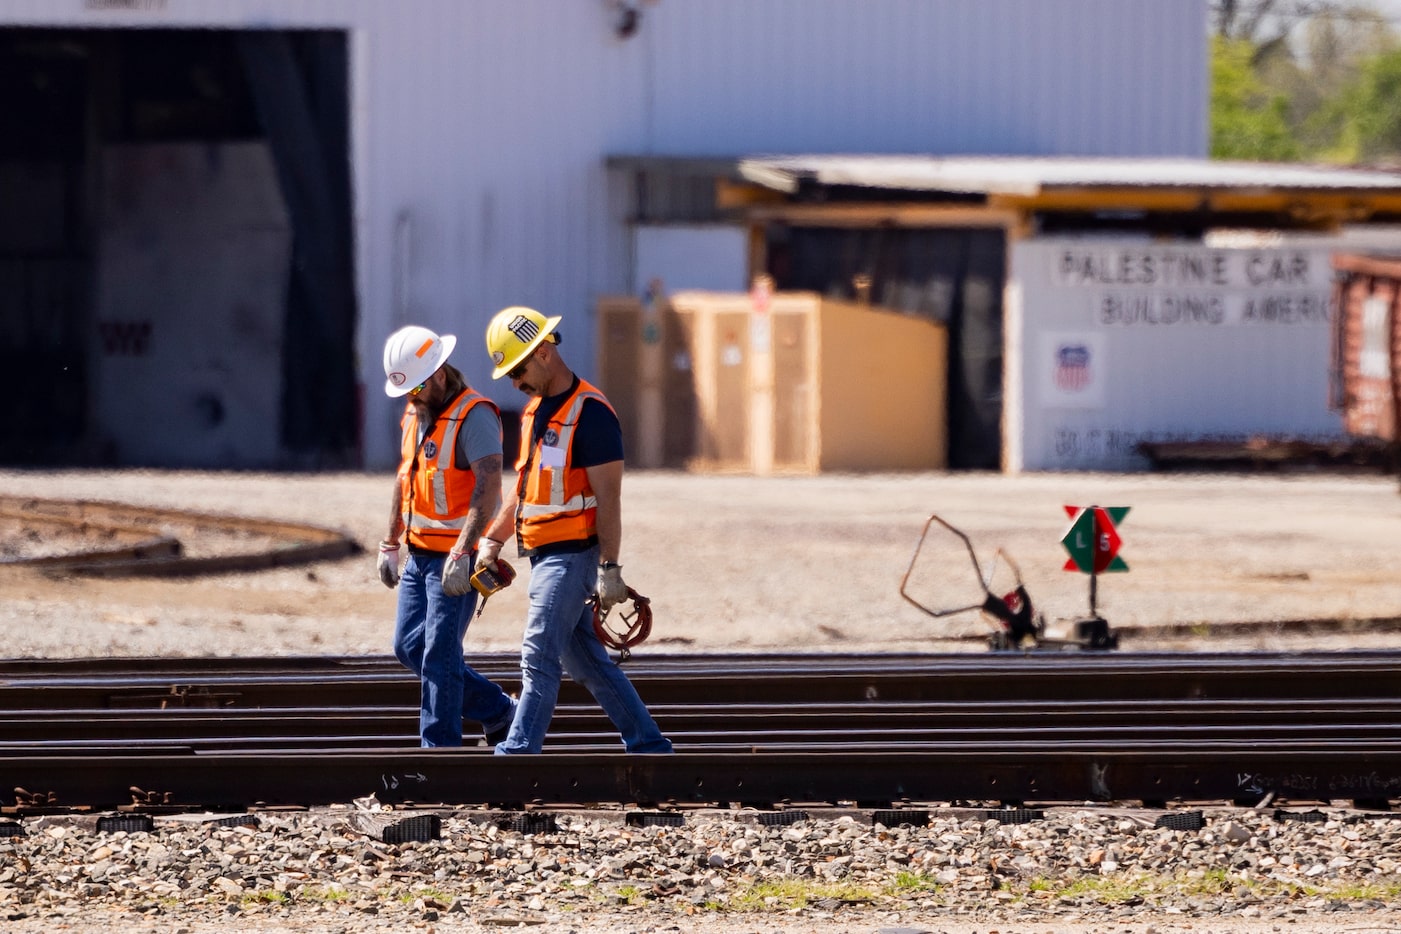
[447, 488]
[565, 512]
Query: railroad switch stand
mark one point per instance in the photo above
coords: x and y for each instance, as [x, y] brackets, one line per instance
[1015, 614]
[1093, 543]
[1093, 632]
[1019, 626]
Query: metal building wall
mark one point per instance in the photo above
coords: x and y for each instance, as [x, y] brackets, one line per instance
[1007, 77]
[480, 128]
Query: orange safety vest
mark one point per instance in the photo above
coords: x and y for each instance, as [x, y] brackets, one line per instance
[434, 495]
[557, 503]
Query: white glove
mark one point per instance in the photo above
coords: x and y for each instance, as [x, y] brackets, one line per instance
[388, 564]
[488, 550]
[457, 574]
[610, 589]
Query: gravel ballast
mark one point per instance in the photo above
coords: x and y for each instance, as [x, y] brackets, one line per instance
[329, 870]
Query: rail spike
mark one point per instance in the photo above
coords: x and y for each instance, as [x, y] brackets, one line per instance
[26, 798]
[139, 796]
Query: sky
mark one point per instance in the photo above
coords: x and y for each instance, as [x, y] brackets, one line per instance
[1391, 9]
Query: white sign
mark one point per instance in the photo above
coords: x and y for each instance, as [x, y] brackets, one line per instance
[1130, 342]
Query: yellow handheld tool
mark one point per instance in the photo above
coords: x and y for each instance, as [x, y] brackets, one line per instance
[486, 581]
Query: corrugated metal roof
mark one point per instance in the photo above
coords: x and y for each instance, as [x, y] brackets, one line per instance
[1030, 176]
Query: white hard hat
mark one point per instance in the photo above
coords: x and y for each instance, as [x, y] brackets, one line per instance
[411, 355]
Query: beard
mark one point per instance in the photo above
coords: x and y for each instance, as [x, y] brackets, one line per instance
[426, 408]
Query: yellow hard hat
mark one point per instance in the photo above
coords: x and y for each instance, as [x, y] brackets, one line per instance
[513, 335]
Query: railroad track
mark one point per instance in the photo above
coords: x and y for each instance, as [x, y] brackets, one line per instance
[106, 539]
[709, 679]
[765, 731]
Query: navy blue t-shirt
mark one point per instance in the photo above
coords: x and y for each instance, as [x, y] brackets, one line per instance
[598, 438]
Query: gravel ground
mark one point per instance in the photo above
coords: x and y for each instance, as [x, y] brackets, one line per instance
[810, 564]
[1076, 870]
[802, 564]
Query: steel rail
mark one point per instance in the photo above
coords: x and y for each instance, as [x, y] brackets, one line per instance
[933, 678]
[723, 735]
[1036, 772]
[129, 542]
[918, 728]
[165, 667]
[854, 720]
[289, 543]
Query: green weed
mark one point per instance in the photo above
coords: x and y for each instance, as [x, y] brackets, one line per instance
[788, 892]
[264, 897]
[911, 883]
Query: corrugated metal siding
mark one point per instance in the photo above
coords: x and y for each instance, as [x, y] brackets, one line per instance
[486, 131]
[480, 128]
[1105, 77]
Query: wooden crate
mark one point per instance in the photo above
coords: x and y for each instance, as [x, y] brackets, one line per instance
[707, 381]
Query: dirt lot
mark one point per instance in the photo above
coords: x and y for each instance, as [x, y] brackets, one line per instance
[810, 564]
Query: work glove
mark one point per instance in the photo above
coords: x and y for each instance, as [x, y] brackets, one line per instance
[610, 589]
[457, 574]
[388, 564]
[488, 550]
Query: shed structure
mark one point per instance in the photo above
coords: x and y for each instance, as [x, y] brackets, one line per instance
[1092, 305]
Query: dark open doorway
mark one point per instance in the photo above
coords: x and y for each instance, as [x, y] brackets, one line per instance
[131, 253]
[954, 276]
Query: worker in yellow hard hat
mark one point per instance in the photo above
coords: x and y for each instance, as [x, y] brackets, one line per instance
[447, 488]
[565, 511]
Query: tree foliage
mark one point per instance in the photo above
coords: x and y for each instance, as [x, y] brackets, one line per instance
[1373, 108]
[1248, 120]
[1267, 24]
[1318, 80]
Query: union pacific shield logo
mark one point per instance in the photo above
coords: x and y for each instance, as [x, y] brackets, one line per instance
[1072, 372]
[524, 329]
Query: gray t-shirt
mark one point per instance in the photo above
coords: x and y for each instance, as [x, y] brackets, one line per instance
[479, 436]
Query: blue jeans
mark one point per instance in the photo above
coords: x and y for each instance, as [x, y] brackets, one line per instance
[428, 632]
[559, 638]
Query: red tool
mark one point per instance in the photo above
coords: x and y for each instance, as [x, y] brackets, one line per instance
[638, 623]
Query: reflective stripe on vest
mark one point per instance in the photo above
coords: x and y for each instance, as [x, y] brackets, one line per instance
[563, 515]
[575, 504]
[428, 520]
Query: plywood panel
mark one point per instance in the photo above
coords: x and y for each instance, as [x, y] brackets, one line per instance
[728, 431]
[618, 349]
[679, 387]
[884, 390]
[794, 390]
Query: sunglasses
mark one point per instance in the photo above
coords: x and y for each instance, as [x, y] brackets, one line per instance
[418, 389]
[519, 370]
